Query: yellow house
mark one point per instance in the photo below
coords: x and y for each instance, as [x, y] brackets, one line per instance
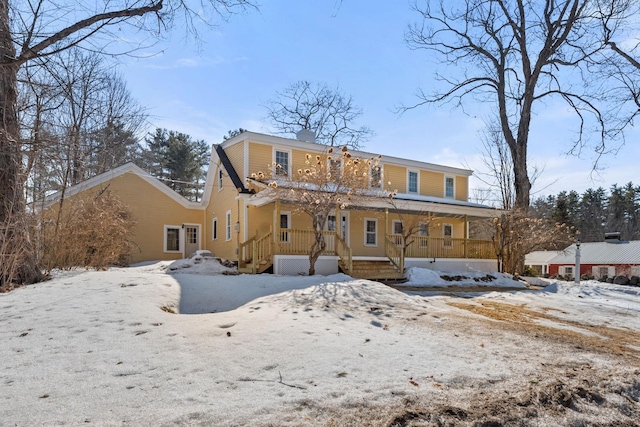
[262, 233]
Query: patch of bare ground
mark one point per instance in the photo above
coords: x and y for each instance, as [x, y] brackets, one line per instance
[561, 392]
[576, 396]
[563, 396]
[596, 338]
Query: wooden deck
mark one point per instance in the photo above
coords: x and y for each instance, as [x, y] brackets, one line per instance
[256, 254]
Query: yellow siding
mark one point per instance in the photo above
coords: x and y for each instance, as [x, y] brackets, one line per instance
[260, 220]
[222, 201]
[298, 161]
[152, 210]
[236, 156]
[462, 188]
[356, 226]
[395, 177]
[432, 183]
[260, 158]
[435, 224]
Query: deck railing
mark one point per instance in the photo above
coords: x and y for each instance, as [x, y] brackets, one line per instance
[298, 242]
[446, 247]
[257, 251]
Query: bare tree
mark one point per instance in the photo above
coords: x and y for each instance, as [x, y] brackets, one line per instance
[621, 64]
[515, 54]
[32, 29]
[329, 181]
[316, 107]
[498, 174]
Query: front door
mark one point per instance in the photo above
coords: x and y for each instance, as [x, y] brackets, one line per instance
[191, 239]
[344, 226]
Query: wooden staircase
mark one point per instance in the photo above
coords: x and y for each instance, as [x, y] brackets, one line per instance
[374, 270]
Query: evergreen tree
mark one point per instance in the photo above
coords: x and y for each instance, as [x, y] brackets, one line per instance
[593, 215]
[178, 160]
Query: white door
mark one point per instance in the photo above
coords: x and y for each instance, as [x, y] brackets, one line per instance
[191, 239]
[344, 226]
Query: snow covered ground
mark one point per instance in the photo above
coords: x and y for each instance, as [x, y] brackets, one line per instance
[140, 346]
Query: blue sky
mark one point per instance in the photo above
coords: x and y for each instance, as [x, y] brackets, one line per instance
[205, 88]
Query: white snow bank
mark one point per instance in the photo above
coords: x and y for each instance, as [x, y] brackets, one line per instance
[98, 347]
[199, 266]
[422, 277]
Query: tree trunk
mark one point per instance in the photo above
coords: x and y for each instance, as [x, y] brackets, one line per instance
[318, 246]
[18, 259]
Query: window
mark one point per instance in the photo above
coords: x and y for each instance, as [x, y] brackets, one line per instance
[282, 160]
[220, 176]
[568, 271]
[228, 226]
[396, 227]
[423, 233]
[447, 233]
[285, 222]
[192, 235]
[412, 182]
[171, 238]
[331, 223]
[370, 232]
[423, 229]
[376, 176]
[449, 183]
[214, 229]
[335, 168]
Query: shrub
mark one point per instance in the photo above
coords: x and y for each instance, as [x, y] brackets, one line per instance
[91, 232]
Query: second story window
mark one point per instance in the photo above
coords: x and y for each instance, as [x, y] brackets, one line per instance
[220, 176]
[448, 187]
[376, 176]
[335, 168]
[413, 182]
[282, 163]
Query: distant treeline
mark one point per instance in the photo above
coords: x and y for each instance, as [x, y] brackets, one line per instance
[594, 212]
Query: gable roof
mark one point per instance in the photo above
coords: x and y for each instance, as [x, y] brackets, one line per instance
[315, 147]
[114, 173]
[231, 171]
[615, 252]
[540, 257]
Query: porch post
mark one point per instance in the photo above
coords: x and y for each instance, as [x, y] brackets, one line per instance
[386, 227]
[276, 237]
[466, 236]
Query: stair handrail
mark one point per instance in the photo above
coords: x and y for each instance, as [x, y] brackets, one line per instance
[343, 251]
[263, 249]
[245, 252]
[394, 253]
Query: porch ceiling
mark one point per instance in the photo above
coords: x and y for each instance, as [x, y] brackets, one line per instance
[441, 207]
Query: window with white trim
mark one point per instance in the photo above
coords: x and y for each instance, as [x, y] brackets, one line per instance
[172, 238]
[447, 233]
[228, 226]
[370, 232]
[423, 233]
[412, 182]
[335, 168]
[214, 229]
[331, 223]
[285, 225]
[375, 175]
[396, 226]
[567, 270]
[220, 176]
[449, 185]
[282, 162]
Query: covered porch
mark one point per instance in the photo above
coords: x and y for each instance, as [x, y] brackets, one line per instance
[373, 242]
